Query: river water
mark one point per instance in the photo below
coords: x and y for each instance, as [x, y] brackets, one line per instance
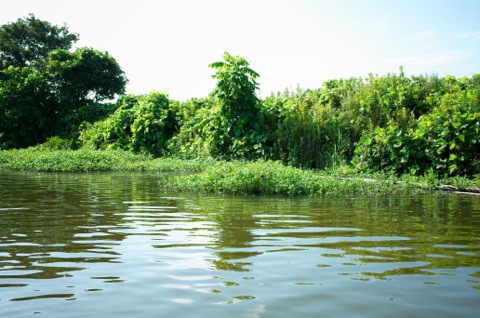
[115, 245]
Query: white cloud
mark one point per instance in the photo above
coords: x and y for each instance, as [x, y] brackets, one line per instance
[434, 51]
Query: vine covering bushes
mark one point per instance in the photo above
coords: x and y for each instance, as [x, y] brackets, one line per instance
[140, 123]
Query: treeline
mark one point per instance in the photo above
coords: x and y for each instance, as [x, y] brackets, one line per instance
[406, 125]
[390, 123]
[48, 89]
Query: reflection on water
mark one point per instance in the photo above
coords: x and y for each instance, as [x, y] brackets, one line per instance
[73, 245]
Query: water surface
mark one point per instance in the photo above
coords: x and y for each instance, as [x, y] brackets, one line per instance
[114, 245]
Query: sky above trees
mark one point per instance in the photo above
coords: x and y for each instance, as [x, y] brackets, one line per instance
[167, 45]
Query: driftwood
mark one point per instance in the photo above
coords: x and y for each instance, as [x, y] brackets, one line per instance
[452, 189]
[468, 193]
[443, 187]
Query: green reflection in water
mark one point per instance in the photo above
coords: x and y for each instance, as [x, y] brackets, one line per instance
[414, 235]
[115, 236]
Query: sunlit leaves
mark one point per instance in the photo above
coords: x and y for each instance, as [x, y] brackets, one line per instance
[141, 123]
[440, 136]
[230, 129]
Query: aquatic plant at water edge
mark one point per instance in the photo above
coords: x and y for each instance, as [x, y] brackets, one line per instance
[273, 178]
[87, 160]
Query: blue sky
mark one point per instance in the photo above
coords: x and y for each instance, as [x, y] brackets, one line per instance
[166, 45]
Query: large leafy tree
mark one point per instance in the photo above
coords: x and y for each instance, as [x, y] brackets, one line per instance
[44, 85]
[228, 124]
[29, 41]
[239, 107]
[84, 76]
[236, 86]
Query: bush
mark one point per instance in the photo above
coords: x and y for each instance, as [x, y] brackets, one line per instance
[56, 143]
[140, 123]
[313, 134]
[446, 140]
[450, 134]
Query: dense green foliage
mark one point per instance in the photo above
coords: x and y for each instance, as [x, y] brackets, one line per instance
[29, 41]
[44, 86]
[445, 139]
[139, 123]
[422, 125]
[227, 125]
[53, 157]
[227, 177]
[273, 178]
[405, 125]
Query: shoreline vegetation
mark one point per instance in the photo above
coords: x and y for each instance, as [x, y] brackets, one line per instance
[66, 110]
[232, 177]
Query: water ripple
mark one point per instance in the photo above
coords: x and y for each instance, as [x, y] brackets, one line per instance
[114, 245]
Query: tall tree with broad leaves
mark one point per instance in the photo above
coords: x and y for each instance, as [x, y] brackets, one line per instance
[29, 40]
[239, 106]
[236, 86]
[44, 85]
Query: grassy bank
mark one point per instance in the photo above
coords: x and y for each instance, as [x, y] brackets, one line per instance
[84, 160]
[259, 178]
[274, 178]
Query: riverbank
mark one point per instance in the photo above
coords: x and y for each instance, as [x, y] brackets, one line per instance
[86, 160]
[211, 176]
[273, 178]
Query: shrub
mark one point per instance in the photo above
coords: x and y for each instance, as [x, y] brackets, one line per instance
[56, 143]
[445, 140]
[140, 123]
[228, 125]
